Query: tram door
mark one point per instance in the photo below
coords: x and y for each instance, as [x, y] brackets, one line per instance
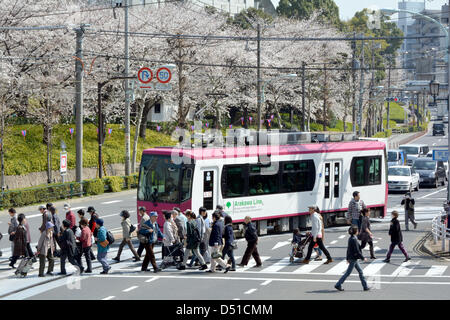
[332, 172]
[210, 188]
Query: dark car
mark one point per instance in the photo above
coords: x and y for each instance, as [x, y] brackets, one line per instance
[438, 128]
[431, 172]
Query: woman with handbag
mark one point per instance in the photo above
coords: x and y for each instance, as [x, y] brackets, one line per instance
[127, 229]
[215, 241]
[366, 235]
[148, 236]
[230, 243]
[192, 242]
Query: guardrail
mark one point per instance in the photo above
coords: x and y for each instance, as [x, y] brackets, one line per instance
[440, 230]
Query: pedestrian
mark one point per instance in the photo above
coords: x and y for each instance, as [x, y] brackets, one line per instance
[20, 241]
[144, 218]
[182, 217]
[81, 214]
[353, 254]
[215, 242]
[70, 216]
[180, 225]
[170, 232]
[252, 241]
[86, 245]
[316, 233]
[29, 250]
[92, 220]
[204, 248]
[46, 216]
[46, 249]
[126, 237]
[68, 248]
[396, 238]
[222, 212]
[12, 227]
[56, 222]
[150, 231]
[228, 247]
[193, 240]
[316, 248]
[366, 235]
[354, 210]
[409, 202]
[102, 245]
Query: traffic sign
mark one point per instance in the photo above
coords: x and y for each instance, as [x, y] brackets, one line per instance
[145, 76]
[63, 163]
[164, 75]
[440, 155]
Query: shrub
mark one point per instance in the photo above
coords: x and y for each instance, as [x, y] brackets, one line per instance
[131, 181]
[94, 187]
[114, 183]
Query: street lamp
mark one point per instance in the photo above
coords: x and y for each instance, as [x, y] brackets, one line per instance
[286, 76]
[444, 30]
[434, 90]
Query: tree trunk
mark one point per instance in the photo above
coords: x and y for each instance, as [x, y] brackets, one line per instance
[149, 103]
[279, 117]
[136, 135]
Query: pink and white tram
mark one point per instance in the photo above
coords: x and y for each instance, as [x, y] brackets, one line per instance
[275, 193]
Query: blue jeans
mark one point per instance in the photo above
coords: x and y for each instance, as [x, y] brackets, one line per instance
[353, 264]
[101, 257]
[228, 250]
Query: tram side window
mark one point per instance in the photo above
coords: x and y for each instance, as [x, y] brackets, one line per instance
[262, 180]
[233, 182]
[186, 184]
[298, 176]
[366, 171]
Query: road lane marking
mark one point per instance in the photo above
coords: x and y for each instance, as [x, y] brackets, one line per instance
[281, 244]
[342, 237]
[236, 299]
[253, 263]
[33, 216]
[77, 208]
[333, 242]
[109, 298]
[338, 269]
[436, 271]
[250, 291]
[374, 267]
[265, 283]
[152, 279]
[430, 194]
[405, 269]
[311, 266]
[111, 202]
[130, 288]
[277, 266]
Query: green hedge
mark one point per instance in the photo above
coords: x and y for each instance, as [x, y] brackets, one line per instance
[94, 187]
[114, 183]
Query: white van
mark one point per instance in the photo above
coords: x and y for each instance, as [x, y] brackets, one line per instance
[414, 151]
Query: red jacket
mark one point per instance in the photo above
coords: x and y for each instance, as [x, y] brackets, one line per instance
[86, 237]
[71, 217]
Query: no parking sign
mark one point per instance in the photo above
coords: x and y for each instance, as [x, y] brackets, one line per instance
[163, 76]
[145, 76]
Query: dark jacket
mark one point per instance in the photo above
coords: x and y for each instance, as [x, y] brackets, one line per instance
[20, 241]
[216, 233]
[354, 249]
[409, 204]
[67, 242]
[192, 242]
[228, 235]
[395, 231]
[92, 224]
[180, 228]
[57, 222]
[250, 233]
[365, 226]
[297, 238]
[155, 227]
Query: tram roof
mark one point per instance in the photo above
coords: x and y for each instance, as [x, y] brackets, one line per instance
[254, 151]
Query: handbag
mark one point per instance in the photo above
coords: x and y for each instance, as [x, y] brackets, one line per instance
[216, 255]
[104, 244]
[132, 228]
[11, 237]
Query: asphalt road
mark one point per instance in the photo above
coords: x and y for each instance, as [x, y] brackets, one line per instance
[421, 278]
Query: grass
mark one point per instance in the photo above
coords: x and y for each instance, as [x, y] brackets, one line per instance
[396, 112]
[27, 155]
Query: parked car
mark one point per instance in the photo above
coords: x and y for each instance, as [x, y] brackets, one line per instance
[402, 178]
[445, 119]
[431, 172]
[438, 129]
[396, 157]
[414, 151]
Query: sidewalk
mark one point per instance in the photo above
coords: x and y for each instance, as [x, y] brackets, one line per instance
[404, 138]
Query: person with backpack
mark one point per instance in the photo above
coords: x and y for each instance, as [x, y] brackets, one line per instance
[102, 245]
[353, 254]
[127, 229]
[409, 202]
[20, 241]
[396, 238]
[192, 242]
[86, 245]
[68, 248]
[12, 227]
[150, 232]
[46, 249]
[252, 241]
[229, 242]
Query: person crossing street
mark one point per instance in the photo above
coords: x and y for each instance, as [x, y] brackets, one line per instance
[150, 232]
[409, 202]
[396, 238]
[317, 235]
[354, 210]
[252, 242]
[126, 235]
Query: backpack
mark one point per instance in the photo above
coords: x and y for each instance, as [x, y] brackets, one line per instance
[110, 237]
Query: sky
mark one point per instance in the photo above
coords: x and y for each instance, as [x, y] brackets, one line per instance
[348, 8]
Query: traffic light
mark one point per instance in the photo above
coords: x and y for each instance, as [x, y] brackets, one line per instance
[395, 100]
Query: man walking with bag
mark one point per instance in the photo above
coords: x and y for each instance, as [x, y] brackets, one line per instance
[252, 241]
[409, 203]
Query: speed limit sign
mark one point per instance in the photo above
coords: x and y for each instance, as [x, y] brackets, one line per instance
[164, 75]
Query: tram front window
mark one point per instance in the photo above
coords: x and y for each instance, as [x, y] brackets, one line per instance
[159, 179]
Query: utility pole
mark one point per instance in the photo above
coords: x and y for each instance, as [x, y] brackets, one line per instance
[258, 75]
[448, 105]
[325, 99]
[418, 115]
[354, 83]
[372, 100]
[303, 97]
[1, 149]
[389, 94]
[79, 104]
[361, 90]
[127, 100]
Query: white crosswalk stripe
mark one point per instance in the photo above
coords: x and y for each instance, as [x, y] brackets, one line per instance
[252, 263]
[436, 271]
[374, 267]
[277, 266]
[405, 268]
[338, 269]
[310, 267]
